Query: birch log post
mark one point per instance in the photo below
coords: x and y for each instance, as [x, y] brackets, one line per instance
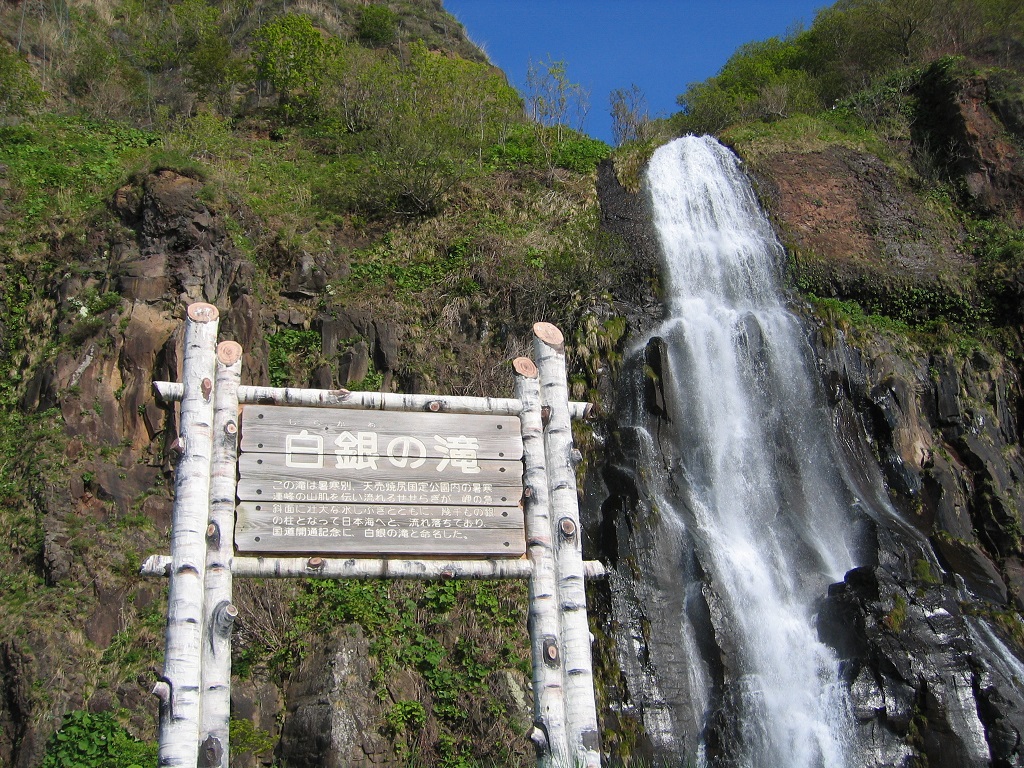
[318, 567]
[170, 391]
[580, 707]
[548, 732]
[179, 688]
[220, 613]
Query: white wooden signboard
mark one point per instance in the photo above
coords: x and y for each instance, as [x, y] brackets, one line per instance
[396, 486]
[360, 482]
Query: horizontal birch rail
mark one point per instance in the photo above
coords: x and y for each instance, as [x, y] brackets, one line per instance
[171, 391]
[371, 568]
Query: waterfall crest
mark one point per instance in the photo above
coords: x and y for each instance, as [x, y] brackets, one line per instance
[750, 519]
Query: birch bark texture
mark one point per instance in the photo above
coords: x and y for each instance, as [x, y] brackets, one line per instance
[548, 733]
[220, 613]
[372, 568]
[561, 459]
[171, 391]
[179, 689]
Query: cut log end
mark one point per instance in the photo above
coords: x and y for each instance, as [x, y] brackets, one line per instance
[201, 312]
[524, 366]
[539, 738]
[229, 352]
[162, 690]
[549, 334]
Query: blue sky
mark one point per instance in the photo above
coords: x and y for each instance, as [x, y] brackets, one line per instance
[661, 45]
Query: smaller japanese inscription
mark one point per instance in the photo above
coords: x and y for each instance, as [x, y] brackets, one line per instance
[345, 481]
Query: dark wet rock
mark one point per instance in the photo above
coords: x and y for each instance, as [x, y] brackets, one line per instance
[911, 653]
[654, 370]
[330, 722]
[626, 215]
[978, 571]
[947, 393]
[946, 495]
[385, 353]
[354, 363]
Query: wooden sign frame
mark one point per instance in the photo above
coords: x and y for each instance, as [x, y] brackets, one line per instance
[194, 690]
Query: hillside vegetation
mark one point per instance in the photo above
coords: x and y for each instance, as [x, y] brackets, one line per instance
[369, 205]
[932, 93]
[372, 206]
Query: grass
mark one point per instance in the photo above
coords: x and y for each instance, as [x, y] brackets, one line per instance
[61, 168]
[804, 134]
[452, 635]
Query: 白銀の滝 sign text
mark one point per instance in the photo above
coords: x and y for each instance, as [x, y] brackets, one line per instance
[323, 481]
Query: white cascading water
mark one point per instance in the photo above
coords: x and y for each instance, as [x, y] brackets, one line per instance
[754, 487]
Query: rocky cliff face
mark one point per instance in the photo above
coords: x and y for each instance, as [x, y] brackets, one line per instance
[121, 301]
[929, 631]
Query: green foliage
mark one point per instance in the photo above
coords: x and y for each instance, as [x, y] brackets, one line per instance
[140, 645]
[897, 617]
[247, 738]
[520, 148]
[64, 166]
[999, 248]
[371, 382]
[290, 54]
[438, 116]
[580, 153]
[404, 716]
[84, 329]
[31, 452]
[413, 631]
[631, 160]
[850, 55]
[87, 740]
[377, 24]
[924, 573]
[761, 81]
[19, 91]
[380, 265]
[291, 355]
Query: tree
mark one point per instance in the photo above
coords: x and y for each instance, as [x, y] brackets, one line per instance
[429, 123]
[289, 55]
[764, 80]
[629, 114]
[377, 24]
[552, 100]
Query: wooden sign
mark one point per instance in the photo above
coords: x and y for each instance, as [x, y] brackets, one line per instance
[359, 482]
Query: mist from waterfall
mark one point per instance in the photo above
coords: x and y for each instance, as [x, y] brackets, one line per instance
[752, 520]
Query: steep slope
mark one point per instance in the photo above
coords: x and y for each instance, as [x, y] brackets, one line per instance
[350, 236]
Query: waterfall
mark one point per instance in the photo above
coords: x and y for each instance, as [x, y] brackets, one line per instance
[749, 519]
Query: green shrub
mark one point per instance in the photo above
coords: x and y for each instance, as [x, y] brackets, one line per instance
[377, 24]
[289, 54]
[19, 92]
[520, 148]
[580, 153]
[87, 740]
[405, 715]
[246, 737]
[83, 159]
[291, 355]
